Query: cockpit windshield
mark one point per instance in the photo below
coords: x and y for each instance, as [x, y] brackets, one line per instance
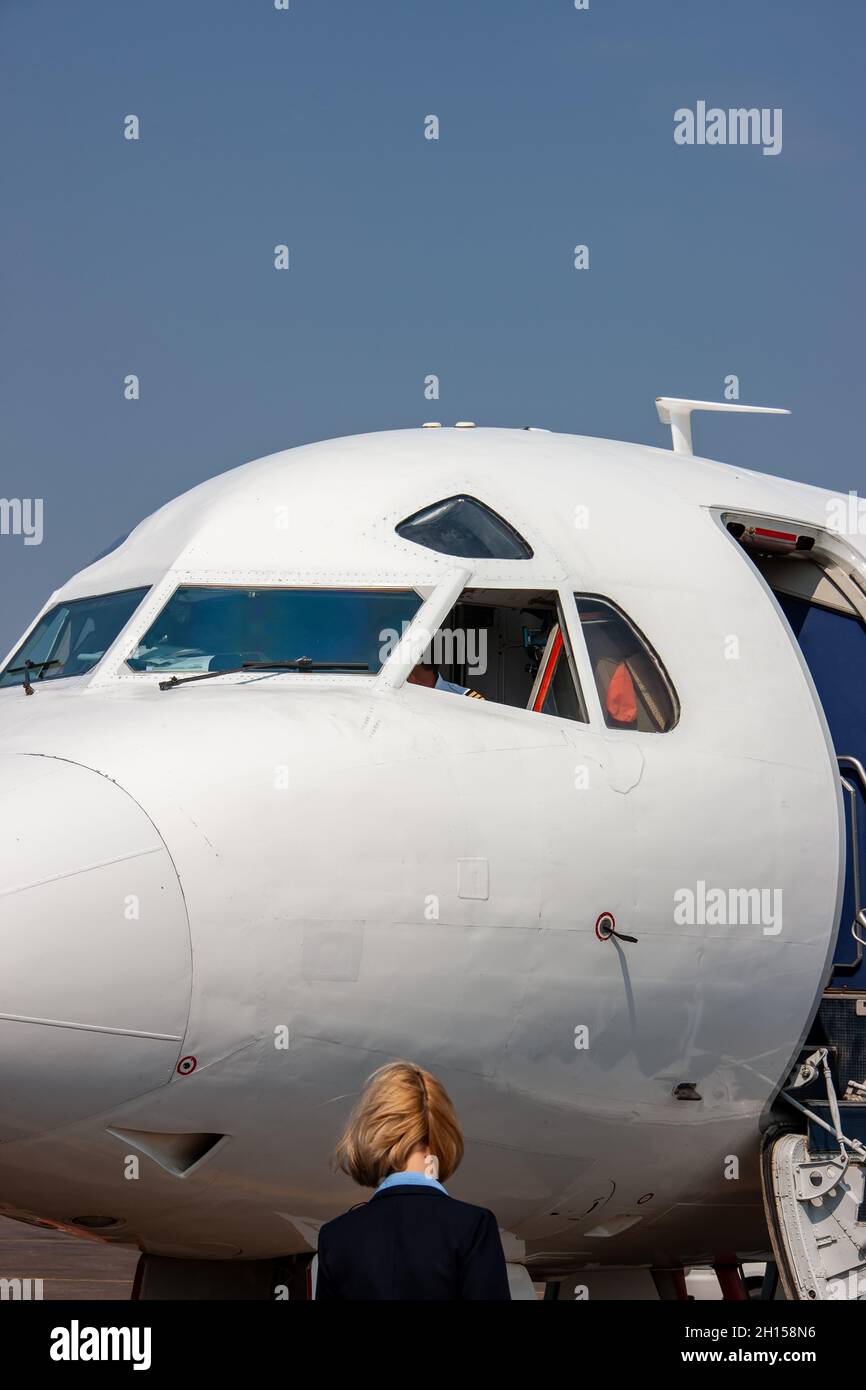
[219, 629]
[71, 638]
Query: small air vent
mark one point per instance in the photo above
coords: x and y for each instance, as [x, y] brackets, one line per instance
[176, 1153]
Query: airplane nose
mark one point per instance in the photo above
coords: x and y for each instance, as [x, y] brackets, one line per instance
[95, 962]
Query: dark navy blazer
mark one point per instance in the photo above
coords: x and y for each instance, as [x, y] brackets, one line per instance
[412, 1242]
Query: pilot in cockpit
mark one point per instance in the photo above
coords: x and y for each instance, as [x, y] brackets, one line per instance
[425, 673]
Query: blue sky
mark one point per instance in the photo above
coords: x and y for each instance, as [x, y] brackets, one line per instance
[411, 256]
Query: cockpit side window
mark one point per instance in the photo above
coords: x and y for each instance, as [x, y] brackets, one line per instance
[205, 628]
[633, 686]
[507, 647]
[71, 637]
[464, 526]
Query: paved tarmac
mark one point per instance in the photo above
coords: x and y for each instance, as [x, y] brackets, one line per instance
[69, 1266]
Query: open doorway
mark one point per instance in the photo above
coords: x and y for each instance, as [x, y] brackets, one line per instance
[817, 1238]
[825, 607]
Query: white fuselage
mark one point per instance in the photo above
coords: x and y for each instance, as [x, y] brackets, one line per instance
[292, 878]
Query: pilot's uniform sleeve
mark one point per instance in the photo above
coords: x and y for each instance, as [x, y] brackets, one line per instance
[457, 689]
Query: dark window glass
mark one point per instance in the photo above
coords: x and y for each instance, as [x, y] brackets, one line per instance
[211, 629]
[464, 526]
[633, 687]
[72, 637]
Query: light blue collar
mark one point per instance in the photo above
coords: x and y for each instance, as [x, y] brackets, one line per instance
[413, 1179]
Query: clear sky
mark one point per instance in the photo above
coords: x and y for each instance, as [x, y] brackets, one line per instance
[410, 256]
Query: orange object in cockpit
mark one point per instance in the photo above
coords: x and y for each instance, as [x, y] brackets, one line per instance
[621, 700]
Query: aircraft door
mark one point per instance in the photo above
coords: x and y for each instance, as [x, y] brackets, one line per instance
[815, 1182]
[834, 646]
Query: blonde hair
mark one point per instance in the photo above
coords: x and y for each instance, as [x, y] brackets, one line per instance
[401, 1105]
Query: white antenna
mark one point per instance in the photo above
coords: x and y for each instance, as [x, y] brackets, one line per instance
[677, 413]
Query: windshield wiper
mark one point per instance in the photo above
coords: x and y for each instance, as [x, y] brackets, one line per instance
[303, 663]
[29, 666]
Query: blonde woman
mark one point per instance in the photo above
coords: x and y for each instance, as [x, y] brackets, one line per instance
[411, 1240]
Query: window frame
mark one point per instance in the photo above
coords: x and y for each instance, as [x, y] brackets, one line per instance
[126, 672]
[53, 603]
[519, 538]
[560, 596]
[648, 647]
[567, 652]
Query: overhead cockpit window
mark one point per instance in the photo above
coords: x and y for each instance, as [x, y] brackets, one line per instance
[466, 527]
[71, 638]
[220, 629]
[633, 686]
